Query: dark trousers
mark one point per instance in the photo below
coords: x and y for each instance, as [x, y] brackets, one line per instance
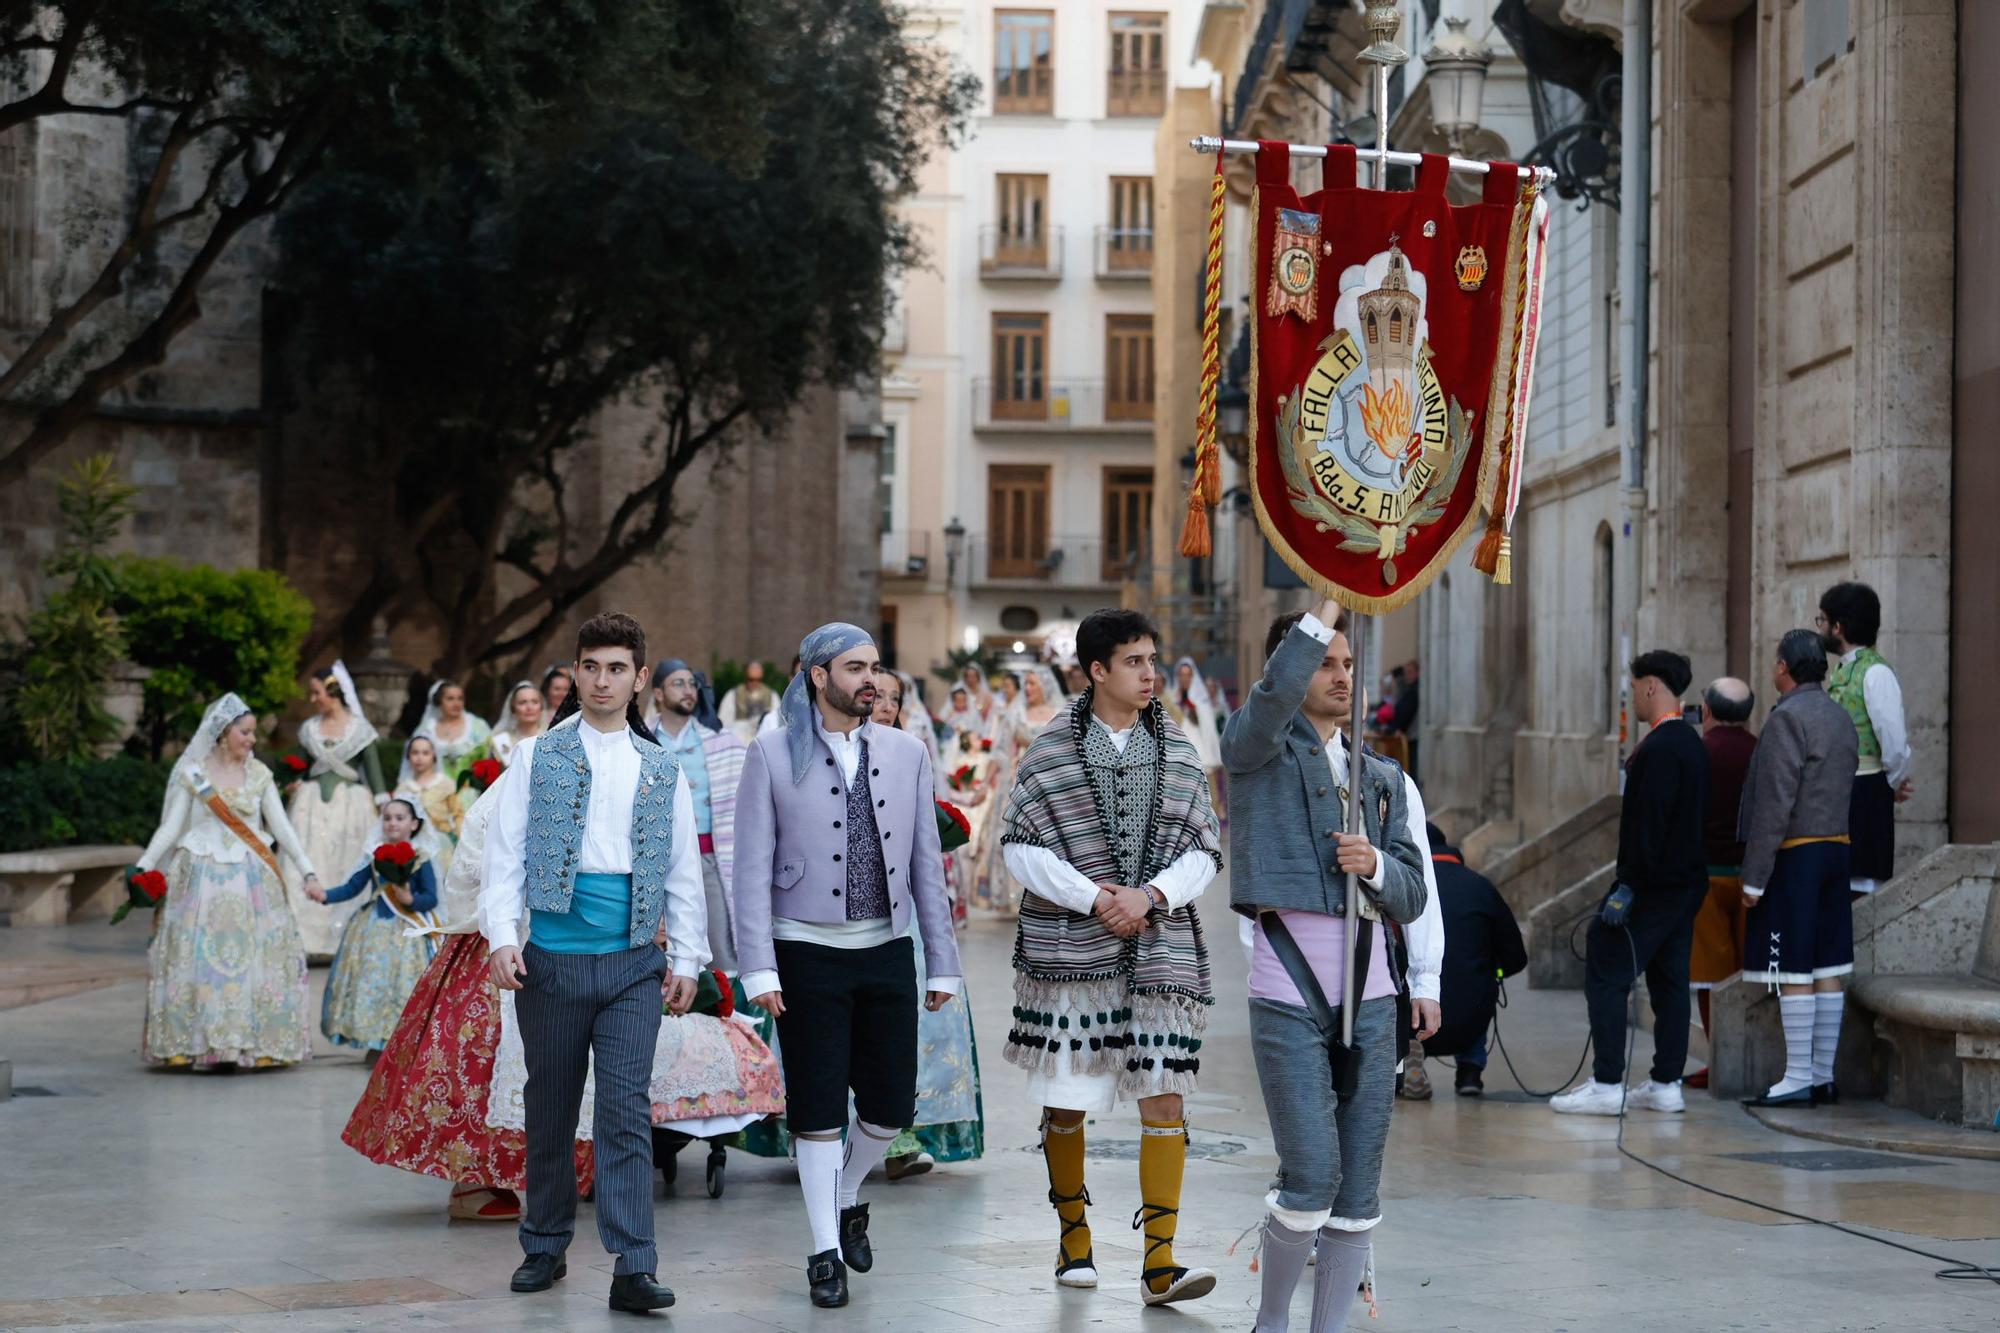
[850, 1022]
[1662, 929]
[576, 1009]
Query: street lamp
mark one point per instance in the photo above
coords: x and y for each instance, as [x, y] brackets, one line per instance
[954, 546]
[1455, 72]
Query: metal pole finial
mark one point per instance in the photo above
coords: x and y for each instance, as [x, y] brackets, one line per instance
[1384, 19]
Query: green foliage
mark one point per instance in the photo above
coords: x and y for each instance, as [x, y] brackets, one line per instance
[100, 802]
[204, 632]
[710, 235]
[958, 659]
[74, 640]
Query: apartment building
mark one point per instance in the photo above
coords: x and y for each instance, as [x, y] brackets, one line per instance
[1017, 481]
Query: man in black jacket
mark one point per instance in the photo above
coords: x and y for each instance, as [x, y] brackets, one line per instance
[1482, 943]
[1662, 869]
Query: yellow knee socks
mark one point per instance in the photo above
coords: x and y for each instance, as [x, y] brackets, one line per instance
[1062, 1148]
[1162, 1162]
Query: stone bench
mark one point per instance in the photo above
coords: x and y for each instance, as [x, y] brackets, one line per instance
[1938, 1040]
[56, 885]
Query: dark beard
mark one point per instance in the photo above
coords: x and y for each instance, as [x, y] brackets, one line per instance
[1831, 645]
[849, 704]
[685, 710]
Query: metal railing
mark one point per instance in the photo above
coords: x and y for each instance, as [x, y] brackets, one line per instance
[1037, 560]
[1031, 401]
[1009, 252]
[1124, 253]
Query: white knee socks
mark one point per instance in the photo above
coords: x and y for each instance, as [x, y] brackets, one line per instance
[1283, 1261]
[866, 1146]
[819, 1177]
[1828, 1006]
[1343, 1259]
[1796, 1012]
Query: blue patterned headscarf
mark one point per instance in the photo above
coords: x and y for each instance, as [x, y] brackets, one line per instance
[704, 693]
[795, 711]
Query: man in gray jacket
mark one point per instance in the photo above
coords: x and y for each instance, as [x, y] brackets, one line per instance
[836, 847]
[1289, 856]
[1795, 867]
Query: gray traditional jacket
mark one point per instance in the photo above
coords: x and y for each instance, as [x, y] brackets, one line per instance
[1284, 808]
[1801, 779]
[792, 844]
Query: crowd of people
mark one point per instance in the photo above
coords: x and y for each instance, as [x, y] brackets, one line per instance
[628, 919]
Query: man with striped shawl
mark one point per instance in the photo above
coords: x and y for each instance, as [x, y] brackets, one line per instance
[1111, 834]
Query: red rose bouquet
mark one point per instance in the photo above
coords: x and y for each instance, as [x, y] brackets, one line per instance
[964, 778]
[712, 994]
[395, 862]
[143, 888]
[954, 829]
[295, 765]
[986, 744]
[482, 774]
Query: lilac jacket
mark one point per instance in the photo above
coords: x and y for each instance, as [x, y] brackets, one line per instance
[791, 844]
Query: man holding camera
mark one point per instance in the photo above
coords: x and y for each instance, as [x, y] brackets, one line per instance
[1647, 921]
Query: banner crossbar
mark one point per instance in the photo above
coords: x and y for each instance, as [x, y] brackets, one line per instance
[1209, 143]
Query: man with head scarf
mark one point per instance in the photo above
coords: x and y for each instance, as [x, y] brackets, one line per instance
[836, 849]
[711, 761]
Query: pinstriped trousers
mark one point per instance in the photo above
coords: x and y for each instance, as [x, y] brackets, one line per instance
[573, 1007]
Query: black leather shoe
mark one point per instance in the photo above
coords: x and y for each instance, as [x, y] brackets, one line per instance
[1802, 1097]
[538, 1272]
[1826, 1094]
[855, 1251]
[1468, 1082]
[637, 1293]
[826, 1277]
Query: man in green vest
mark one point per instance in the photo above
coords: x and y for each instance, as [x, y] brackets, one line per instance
[1850, 615]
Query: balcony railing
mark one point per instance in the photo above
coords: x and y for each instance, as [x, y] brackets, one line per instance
[1008, 252]
[1124, 253]
[1136, 92]
[1053, 562]
[906, 554]
[1033, 402]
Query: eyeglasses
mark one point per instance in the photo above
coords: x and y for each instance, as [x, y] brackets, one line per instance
[1819, 621]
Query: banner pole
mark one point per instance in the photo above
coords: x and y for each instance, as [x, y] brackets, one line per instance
[1209, 143]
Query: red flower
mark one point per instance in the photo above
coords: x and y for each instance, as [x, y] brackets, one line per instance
[986, 743]
[396, 853]
[151, 883]
[296, 764]
[726, 1005]
[957, 816]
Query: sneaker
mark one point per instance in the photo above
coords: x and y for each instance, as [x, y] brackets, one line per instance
[1651, 1096]
[1416, 1084]
[1469, 1081]
[1590, 1098]
[908, 1164]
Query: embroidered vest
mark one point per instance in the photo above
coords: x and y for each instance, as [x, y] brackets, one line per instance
[559, 798]
[867, 870]
[1844, 683]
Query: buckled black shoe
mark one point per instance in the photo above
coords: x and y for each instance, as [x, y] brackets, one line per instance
[1800, 1097]
[826, 1278]
[538, 1272]
[855, 1251]
[1826, 1094]
[636, 1293]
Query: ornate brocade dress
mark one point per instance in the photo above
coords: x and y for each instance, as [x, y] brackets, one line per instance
[226, 973]
[333, 810]
[380, 961]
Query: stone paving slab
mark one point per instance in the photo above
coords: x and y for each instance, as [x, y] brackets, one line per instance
[140, 1199]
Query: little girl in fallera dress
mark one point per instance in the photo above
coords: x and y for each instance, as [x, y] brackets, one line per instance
[380, 961]
[436, 794]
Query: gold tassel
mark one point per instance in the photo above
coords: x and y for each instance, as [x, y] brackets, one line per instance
[1486, 557]
[1503, 567]
[1211, 477]
[1194, 530]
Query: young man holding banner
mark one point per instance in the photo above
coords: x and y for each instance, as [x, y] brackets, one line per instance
[1290, 854]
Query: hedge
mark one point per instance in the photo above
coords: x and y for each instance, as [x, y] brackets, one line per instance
[104, 801]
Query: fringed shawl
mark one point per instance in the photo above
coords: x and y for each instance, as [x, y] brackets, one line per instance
[1111, 1004]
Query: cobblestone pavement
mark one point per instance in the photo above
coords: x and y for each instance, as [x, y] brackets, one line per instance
[144, 1200]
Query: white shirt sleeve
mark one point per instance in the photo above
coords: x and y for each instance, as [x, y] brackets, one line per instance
[503, 898]
[1312, 625]
[686, 910]
[1884, 697]
[1425, 935]
[280, 824]
[760, 983]
[1051, 877]
[1186, 879]
[173, 823]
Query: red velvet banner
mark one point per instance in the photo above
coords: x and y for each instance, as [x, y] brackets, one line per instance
[1389, 369]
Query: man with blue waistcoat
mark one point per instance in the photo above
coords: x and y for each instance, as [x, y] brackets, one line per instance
[594, 842]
